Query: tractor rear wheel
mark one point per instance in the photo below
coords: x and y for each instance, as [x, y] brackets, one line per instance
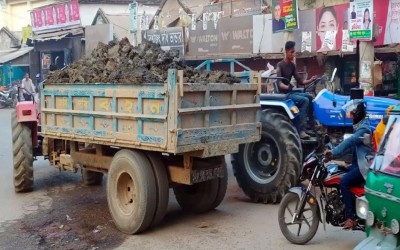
[22, 155]
[265, 170]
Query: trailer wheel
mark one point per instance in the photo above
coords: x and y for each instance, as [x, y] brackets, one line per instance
[222, 186]
[22, 155]
[130, 191]
[265, 170]
[197, 198]
[91, 178]
[162, 185]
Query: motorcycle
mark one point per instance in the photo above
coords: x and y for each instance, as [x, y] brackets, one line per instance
[300, 208]
[8, 98]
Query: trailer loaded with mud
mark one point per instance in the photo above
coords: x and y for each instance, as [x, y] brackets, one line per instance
[145, 137]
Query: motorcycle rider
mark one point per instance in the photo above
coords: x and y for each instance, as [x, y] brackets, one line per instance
[356, 110]
[287, 69]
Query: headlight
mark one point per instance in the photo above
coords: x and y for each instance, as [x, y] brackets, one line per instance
[362, 207]
[294, 109]
[394, 225]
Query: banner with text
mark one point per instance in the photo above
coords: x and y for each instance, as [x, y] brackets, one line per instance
[232, 35]
[361, 20]
[168, 38]
[202, 42]
[55, 16]
[236, 35]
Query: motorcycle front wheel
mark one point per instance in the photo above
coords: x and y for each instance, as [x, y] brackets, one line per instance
[302, 230]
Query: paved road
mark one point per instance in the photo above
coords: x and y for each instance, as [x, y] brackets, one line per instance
[62, 213]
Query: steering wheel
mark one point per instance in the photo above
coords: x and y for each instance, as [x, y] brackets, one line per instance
[312, 86]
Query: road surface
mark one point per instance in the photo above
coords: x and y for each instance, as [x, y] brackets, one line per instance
[62, 213]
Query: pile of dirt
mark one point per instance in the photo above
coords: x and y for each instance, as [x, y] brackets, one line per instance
[122, 63]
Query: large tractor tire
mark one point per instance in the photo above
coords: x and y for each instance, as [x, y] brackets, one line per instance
[131, 189]
[22, 155]
[202, 197]
[265, 170]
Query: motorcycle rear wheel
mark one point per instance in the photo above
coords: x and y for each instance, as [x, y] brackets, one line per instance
[309, 220]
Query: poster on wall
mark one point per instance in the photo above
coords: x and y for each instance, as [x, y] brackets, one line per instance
[306, 41]
[46, 61]
[361, 19]
[307, 18]
[347, 45]
[392, 34]
[285, 15]
[264, 40]
[329, 22]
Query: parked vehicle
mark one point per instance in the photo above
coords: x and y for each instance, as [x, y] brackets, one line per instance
[8, 97]
[380, 206]
[303, 208]
[265, 170]
[146, 137]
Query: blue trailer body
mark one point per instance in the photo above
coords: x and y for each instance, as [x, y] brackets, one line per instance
[211, 119]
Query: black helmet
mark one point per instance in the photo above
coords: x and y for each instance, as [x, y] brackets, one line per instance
[357, 108]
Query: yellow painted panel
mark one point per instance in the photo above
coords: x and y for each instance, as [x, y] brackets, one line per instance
[127, 105]
[127, 126]
[62, 121]
[153, 107]
[61, 102]
[153, 128]
[103, 124]
[80, 103]
[81, 122]
[103, 104]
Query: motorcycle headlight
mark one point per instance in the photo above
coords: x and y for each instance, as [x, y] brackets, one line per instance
[362, 207]
[394, 226]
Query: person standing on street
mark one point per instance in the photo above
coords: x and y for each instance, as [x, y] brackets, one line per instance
[287, 69]
[29, 87]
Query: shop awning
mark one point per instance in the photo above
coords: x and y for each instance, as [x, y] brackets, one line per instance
[57, 35]
[14, 54]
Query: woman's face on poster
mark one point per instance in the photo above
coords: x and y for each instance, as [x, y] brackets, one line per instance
[366, 16]
[327, 22]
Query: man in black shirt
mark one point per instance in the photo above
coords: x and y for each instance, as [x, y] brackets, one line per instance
[287, 69]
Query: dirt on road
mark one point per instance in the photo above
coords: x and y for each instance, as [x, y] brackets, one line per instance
[78, 219]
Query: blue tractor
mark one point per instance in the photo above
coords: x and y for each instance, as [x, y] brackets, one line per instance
[265, 170]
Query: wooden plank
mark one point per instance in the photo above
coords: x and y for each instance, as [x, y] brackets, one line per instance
[105, 114]
[214, 108]
[195, 87]
[180, 82]
[172, 110]
[91, 160]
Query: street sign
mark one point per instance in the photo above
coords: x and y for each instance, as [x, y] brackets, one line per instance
[133, 16]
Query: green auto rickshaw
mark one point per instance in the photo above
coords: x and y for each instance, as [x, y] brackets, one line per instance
[380, 207]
